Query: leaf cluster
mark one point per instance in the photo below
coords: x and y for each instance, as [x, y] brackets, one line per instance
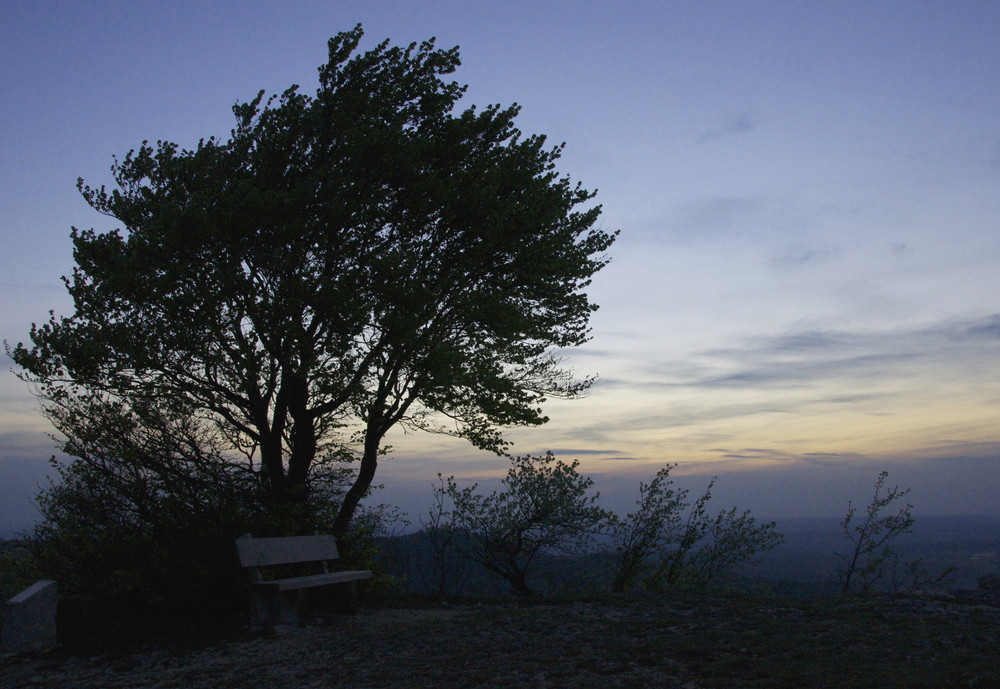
[544, 508]
[669, 541]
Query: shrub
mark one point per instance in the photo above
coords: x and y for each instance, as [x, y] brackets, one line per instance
[543, 509]
[873, 561]
[119, 567]
[133, 539]
[668, 542]
[873, 552]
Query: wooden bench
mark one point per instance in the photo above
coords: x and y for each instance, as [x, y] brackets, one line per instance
[285, 601]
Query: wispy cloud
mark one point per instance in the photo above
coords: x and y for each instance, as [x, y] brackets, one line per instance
[762, 218]
[755, 454]
[805, 357]
[800, 256]
[568, 451]
[821, 385]
[734, 126]
[715, 216]
[25, 444]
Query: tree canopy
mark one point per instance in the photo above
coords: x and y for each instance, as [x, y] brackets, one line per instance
[345, 262]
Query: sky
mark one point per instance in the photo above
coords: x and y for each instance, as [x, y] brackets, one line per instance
[806, 288]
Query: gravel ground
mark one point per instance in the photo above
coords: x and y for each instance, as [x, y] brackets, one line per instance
[690, 642]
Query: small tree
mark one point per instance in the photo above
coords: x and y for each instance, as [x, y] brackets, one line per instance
[660, 542]
[873, 555]
[441, 539]
[543, 509]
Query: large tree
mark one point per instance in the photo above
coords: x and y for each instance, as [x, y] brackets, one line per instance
[343, 263]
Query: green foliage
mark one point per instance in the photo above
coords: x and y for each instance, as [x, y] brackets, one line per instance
[915, 575]
[133, 553]
[668, 542]
[873, 554]
[643, 532]
[873, 560]
[544, 508]
[343, 263]
[140, 524]
[359, 547]
[123, 558]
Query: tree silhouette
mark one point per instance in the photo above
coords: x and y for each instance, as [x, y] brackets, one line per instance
[344, 263]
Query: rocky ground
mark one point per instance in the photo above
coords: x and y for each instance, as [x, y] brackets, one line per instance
[643, 641]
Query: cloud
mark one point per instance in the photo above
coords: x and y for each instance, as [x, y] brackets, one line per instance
[564, 451]
[762, 218]
[734, 126]
[943, 485]
[900, 249]
[798, 374]
[754, 454]
[987, 329]
[815, 389]
[805, 357]
[25, 444]
[797, 257]
[713, 217]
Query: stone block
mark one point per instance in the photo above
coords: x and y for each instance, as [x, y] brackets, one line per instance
[29, 619]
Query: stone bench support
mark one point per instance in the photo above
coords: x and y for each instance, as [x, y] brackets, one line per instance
[29, 619]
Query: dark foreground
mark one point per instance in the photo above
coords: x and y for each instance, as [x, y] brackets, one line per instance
[689, 642]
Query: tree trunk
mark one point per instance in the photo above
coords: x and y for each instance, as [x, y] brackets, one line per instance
[303, 434]
[369, 463]
[519, 584]
[272, 469]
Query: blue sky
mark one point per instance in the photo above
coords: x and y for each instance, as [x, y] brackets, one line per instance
[805, 290]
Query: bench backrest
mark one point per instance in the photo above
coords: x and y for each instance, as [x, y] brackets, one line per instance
[264, 552]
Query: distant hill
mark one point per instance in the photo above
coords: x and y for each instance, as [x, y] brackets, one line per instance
[808, 554]
[805, 563]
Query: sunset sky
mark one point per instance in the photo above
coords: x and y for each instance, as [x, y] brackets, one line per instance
[806, 289]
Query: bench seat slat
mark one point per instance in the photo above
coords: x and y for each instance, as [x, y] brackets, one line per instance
[285, 599]
[262, 552]
[311, 580]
